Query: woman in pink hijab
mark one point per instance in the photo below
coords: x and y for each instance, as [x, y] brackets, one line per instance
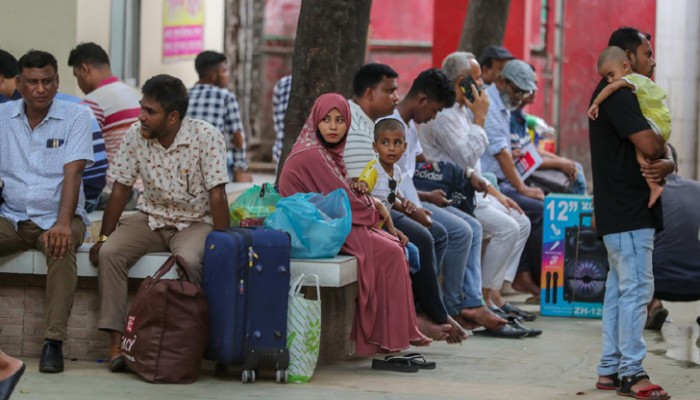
[385, 318]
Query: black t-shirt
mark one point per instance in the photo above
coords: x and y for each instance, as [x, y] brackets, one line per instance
[620, 193]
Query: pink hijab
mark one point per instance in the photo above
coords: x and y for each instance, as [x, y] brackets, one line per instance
[313, 167]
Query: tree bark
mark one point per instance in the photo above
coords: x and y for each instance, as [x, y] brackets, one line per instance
[244, 50]
[329, 48]
[485, 25]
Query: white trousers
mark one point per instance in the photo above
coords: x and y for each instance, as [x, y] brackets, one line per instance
[509, 231]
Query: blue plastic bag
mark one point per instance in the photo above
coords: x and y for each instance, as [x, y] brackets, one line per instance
[318, 224]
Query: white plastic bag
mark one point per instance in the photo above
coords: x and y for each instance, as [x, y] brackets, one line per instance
[303, 330]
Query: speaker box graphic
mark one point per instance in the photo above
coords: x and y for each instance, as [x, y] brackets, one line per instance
[574, 259]
[585, 266]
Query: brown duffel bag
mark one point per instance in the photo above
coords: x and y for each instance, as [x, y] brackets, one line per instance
[166, 328]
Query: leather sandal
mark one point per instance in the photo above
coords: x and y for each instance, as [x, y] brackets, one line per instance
[651, 392]
[614, 385]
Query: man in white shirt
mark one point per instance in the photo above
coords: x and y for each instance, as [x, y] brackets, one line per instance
[454, 138]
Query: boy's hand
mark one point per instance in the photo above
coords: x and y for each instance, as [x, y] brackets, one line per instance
[399, 235]
[422, 216]
[593, 112]
[361, 186]
[408, 207]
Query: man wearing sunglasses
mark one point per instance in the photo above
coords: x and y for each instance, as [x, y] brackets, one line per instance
[514, 84]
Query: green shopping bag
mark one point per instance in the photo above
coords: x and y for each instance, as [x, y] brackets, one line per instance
[254, 205]
[303, 330]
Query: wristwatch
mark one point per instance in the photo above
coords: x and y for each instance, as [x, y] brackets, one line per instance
[101, 238]
[469, 172]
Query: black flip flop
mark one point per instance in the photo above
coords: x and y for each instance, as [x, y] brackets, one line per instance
[415, 359]
[9, 383]
[394, 364]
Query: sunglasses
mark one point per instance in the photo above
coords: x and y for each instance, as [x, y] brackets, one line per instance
[391, 198]
[523, 94]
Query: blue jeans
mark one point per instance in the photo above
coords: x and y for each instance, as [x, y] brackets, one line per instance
[579, 185]
[461, 280]
[628, 290]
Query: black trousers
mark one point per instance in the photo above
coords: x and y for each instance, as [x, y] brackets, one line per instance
[431, 244]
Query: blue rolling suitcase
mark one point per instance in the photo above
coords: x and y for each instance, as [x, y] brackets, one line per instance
[246, 282]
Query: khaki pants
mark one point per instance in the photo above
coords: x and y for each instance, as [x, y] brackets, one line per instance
[62, 276]
[132, 239]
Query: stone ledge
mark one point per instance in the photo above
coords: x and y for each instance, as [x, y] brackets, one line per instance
[333, 272]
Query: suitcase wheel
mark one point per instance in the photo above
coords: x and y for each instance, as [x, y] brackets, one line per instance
[248, 376]
[281, 376]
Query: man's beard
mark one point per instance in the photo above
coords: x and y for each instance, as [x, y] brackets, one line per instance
[510, 104]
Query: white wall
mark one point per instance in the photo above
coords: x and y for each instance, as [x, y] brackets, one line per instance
[152, 41]
[93, 22]
[678, 72]
[41, 25]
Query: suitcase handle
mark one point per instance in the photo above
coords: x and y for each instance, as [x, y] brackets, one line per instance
[295, 288]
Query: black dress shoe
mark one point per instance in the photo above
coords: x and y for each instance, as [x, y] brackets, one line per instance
[51, 357]
[8, 385]
[531, 332]
[507, 331]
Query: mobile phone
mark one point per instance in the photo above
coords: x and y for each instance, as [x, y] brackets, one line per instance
[466, 87]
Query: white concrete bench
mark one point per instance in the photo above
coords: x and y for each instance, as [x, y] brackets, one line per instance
[333, 272]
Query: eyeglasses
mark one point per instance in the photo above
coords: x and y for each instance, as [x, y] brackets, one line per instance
[391, 198]
[523, 94]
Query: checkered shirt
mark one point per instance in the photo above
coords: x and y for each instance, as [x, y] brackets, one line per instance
[280, 101]
[219, 107]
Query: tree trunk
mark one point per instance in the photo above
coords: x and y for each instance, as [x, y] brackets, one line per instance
[329, 48]
[244, 50]
[485, 25]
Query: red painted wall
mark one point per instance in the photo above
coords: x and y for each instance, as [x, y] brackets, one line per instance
[587, 27]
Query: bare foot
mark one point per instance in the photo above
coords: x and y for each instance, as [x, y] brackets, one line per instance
[465, 323]
[523, 282]
[483, 316]
[422, 342]
[457, 334]
[431, 329]
[655, 194]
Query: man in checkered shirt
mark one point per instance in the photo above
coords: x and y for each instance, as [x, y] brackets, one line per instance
[212, 102]
[280, 101]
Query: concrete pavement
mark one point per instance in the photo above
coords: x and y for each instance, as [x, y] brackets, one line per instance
[560, 364]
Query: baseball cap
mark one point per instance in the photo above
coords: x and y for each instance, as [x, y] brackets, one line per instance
[495, 53]
[521, 74]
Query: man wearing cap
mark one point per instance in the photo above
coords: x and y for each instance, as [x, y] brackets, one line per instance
[492, 61]
[516, 82]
